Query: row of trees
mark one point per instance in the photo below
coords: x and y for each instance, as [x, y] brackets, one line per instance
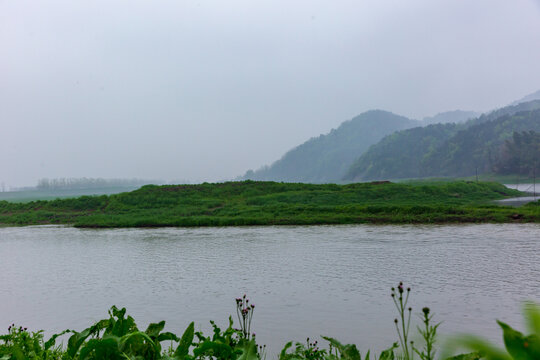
[90, 183]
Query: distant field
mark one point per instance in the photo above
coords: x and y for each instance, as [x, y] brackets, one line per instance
[271, 203]
[33, 195]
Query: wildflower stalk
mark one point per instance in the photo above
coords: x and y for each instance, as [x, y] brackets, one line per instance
[244, 311]
[429, 333]
[400, 301]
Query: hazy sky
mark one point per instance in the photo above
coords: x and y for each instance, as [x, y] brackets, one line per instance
[205, 90]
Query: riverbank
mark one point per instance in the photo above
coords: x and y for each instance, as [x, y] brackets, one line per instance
[271, 203]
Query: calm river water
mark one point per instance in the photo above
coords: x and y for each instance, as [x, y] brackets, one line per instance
[305, 281]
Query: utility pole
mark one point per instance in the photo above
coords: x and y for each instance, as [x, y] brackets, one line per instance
[517, 178]
[534, 183]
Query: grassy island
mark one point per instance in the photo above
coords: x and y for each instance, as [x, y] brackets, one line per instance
[272, 203]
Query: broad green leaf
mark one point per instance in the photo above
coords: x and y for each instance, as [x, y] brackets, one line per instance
[100, 325]
[120, 326]
[483, 347]
[283, 353]
[106, 348]
[137, 342]
[76, 340]
[532, 344]
[50, 343]
[213, 348]
[532, 317]
[185, 342]
[334, 343]
[469, 356]
[154, 329]
[18, 354]
[350, 352]
[388, 354]
[167, 336]
[515, 343]
[249, 350]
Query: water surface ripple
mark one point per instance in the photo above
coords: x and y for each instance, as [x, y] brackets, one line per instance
[305, 281]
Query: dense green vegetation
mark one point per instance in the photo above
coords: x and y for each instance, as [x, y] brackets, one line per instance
[118, 337]
[480, 146]
[520, 155]
[446, 149]
[400, 155]
[326, 158]
[271, 203]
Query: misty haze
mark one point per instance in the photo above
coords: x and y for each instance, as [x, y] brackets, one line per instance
[364, 172]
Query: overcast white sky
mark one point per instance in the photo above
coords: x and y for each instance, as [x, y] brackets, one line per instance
[204, 90]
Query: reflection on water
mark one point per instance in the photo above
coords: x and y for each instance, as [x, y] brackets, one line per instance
[518, 201]
[305, 281]
[528, 187]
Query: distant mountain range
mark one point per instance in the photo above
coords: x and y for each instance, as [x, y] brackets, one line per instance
[445, 149]
[530, 97]
[381, 145]
[327, 158]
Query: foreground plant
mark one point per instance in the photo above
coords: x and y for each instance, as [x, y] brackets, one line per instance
[307, 351]
[429, 334]
[118, 338]
[517, 345]
[404, 321]
[244, 311]
[19, 343]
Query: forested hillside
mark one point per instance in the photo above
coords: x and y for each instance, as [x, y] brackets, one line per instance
[520, 155]
[327, 158]
[400, 155]
[445, 150]
[479, 147]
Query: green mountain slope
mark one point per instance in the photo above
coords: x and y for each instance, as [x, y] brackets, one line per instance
[520, 155]
[399, 155]
[437, 150]
[327, 158]
[479, 147]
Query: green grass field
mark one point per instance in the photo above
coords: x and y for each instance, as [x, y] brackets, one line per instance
[503, 179]
[271, 203]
